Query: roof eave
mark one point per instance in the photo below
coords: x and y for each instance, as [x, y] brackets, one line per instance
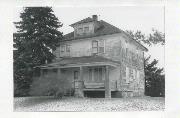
[144, 48]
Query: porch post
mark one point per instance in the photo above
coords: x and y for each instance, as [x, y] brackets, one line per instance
[107, 84]
[81, 94]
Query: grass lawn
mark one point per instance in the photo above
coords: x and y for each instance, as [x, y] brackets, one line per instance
[88, 104]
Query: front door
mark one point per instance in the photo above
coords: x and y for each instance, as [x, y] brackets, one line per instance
[76, 79]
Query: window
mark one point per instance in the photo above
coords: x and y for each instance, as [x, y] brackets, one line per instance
[100, 74]
[127, 74]
[90, 74]
[63, 48]
[126, 52]
[130, 72]
[67, 48]
[95, 47]
[101, 46]
[80, 30]
[96, 74]
[98, 47]
[86, 29]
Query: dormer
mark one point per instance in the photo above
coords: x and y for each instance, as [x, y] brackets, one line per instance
[85, 27]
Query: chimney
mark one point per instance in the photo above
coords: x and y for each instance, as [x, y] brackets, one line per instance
[95, 17]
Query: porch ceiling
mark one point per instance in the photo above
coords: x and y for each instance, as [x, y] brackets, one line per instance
[81, 61]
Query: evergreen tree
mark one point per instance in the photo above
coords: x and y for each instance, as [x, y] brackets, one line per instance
[154, 79]
[37, 35]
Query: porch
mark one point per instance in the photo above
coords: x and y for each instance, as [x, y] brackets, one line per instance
[87, 76]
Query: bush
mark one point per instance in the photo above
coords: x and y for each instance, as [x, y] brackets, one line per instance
[50, 85]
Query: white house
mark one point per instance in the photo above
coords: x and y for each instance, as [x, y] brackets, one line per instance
[99, 57]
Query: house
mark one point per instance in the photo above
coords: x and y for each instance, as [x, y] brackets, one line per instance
[99, 57]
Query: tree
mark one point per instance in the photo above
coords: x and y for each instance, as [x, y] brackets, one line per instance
[154, 77]
[37, 35]
[153, 38]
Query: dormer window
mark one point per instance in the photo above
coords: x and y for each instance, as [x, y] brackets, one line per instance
[80, 30]
[86, 29]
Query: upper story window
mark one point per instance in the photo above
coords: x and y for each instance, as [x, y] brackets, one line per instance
[95, 47]
[101, 46]
[98, 46]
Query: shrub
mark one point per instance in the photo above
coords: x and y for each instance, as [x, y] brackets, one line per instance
[50, 85]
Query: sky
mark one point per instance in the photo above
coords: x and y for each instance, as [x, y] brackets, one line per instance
[142, 18]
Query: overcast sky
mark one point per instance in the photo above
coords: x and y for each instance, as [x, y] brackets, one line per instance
[142, 18]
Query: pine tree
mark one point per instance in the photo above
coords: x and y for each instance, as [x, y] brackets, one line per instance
[154, 79]
[37, 35]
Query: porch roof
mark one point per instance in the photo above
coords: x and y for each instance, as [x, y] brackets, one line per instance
[80, 61]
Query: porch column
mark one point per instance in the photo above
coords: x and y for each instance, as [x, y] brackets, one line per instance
[80, 83]
[107, 84]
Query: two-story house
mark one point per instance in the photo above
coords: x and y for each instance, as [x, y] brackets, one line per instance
[99, 57]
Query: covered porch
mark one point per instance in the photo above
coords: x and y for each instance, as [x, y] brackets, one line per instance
[87, 74]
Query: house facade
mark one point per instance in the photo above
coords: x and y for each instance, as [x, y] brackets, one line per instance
[99, 57]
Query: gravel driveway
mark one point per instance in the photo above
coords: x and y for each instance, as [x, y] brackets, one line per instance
[88, 104]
